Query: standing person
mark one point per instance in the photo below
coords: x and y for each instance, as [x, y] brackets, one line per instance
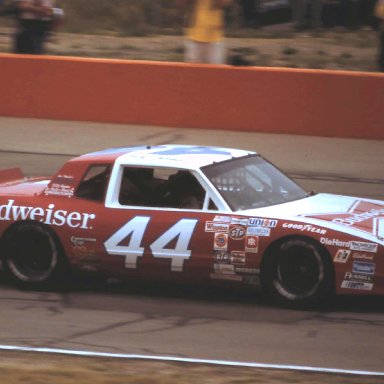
[304, 19]
[205, 31]
[379, 13]
[35, 18]
[249, 12]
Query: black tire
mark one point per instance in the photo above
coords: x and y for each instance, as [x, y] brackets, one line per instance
[298, 273]
[33, 256]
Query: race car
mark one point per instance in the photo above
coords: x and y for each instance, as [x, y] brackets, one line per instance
[190, 214]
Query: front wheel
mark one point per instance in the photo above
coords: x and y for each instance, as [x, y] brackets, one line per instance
[297, 272]
[33, 256]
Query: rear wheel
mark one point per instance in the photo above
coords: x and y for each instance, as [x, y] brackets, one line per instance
[297, 272]
[33, 256]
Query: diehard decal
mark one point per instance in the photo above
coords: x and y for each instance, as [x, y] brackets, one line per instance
[335, 242]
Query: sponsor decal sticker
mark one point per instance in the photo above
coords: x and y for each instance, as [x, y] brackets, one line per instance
[238, 257]
[222, 257]
[258, 231]
[248, 271]
[260, 222]
[363, 247]
[59, 190]
[239, 221]
[226, 269]
[237, 233]
[358, 277]
[220, 241]
[222, 219]
[223, 276]
[364, 267]
[342, 256]
[49, 215]
[251, 244]
[335, 242]
[357, 285]
[366, 216]
[362, 256]
[305, 228]
[211, 226]
[81, 240]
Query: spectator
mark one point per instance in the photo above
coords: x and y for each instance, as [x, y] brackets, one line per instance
[249, 12]
[35, 20]
[304, 18]
[205, 31]
[349, 13]
[379, 13]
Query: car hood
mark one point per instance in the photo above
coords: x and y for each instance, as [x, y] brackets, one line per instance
[355, 216]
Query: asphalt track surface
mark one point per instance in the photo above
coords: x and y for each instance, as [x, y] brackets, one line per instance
[167, 320]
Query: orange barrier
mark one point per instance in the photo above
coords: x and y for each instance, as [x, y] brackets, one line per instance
[307, 102]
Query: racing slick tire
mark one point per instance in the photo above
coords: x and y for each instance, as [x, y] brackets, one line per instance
[297, 273]
[33, 256]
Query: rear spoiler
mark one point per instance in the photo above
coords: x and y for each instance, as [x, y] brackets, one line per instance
[9, 175]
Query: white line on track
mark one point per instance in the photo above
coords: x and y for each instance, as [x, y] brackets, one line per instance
[189, 360]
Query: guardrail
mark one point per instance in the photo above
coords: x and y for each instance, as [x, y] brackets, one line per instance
[305, 102]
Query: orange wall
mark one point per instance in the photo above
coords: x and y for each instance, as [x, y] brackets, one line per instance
[308, 102]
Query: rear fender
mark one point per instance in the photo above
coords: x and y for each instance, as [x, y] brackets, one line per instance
[10, 175]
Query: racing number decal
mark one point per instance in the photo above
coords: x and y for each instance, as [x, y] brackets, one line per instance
[135, 228]
[134, 231]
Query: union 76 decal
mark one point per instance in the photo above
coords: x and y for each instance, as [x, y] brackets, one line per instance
[133, 232]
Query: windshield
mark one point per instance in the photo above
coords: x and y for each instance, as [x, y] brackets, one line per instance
[252, 182]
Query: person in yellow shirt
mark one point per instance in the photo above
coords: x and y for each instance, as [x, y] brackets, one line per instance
[205, 31]
[379, 13]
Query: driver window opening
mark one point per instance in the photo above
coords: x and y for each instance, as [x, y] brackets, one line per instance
[161, 187]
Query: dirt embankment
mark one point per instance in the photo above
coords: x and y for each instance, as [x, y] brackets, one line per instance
[338, 48]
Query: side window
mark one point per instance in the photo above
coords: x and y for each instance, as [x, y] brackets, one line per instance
[94, 183]
[160, 187]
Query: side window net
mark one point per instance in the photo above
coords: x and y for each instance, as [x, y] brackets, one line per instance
[161, 187]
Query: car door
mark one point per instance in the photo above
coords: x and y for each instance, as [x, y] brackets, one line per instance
[155, 225]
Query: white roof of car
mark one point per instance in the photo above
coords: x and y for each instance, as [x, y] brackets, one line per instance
[176, 156]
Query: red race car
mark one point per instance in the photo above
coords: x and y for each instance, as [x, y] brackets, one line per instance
[190, 214]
